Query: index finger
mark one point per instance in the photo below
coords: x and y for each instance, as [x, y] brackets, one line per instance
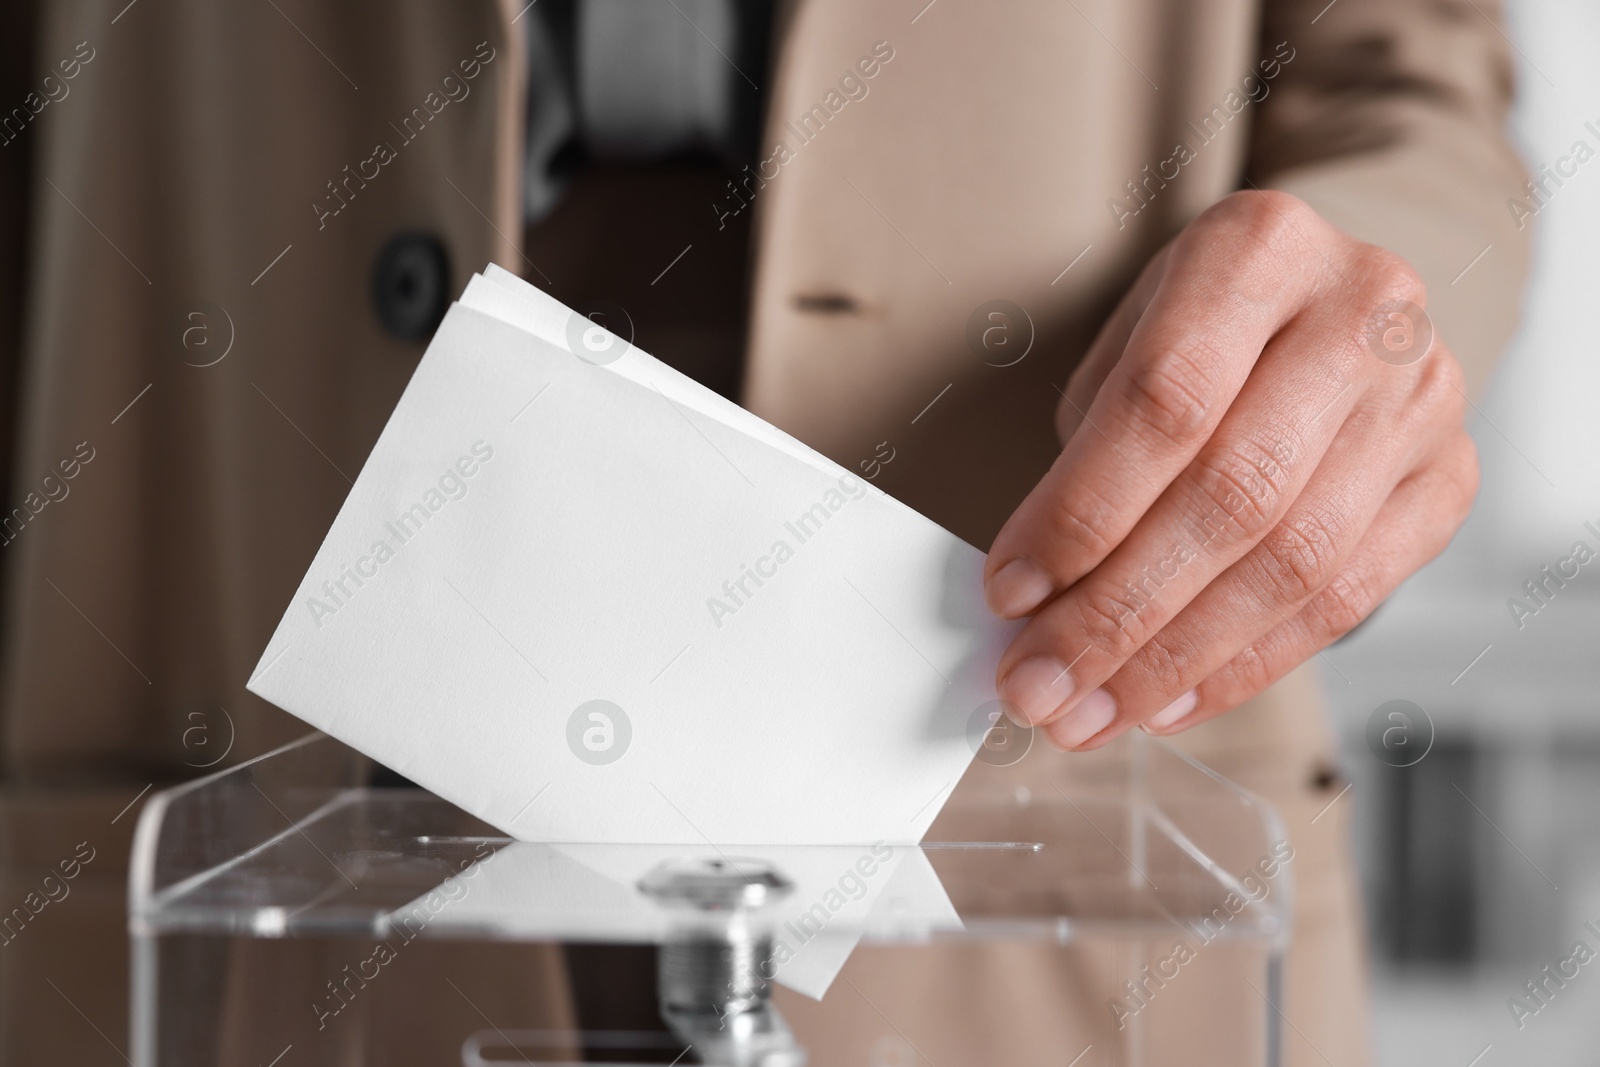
[1234, 278]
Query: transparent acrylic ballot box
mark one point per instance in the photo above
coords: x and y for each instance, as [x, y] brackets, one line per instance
[287, 912]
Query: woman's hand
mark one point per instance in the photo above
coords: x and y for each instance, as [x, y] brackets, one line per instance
[1262, 443]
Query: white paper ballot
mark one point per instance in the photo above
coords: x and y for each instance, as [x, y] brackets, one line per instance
[592, 601]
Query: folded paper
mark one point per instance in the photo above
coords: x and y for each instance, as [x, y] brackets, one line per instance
[588, 600]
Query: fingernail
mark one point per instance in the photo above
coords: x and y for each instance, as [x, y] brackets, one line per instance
[1017, 588]
[1094, 713]
[1173, 712]
[1037, 687]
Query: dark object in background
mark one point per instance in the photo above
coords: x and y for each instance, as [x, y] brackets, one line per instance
[1426, 907]
[411, 285]
[645, 238]
[613, 989]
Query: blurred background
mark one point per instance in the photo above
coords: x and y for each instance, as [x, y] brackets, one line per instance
[1481, 860]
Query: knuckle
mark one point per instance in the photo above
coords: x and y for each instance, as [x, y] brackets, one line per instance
[1164, 664]
[1111, 625]
[1340, 607]
[1170, 396]
[1453, 493]
[1266, 215]
[1245, 483]
[1085, 521]
[1441, 386]
[1467, 474]
[1391, 276]
[1250, 671]
[1274, 227]
[1299, 555]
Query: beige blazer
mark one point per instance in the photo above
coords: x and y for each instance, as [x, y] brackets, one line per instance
[1023, 151]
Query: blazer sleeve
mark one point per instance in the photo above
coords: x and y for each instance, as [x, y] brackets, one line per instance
[1390, 119]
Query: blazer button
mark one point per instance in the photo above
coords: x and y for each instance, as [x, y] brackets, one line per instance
[411, 285]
